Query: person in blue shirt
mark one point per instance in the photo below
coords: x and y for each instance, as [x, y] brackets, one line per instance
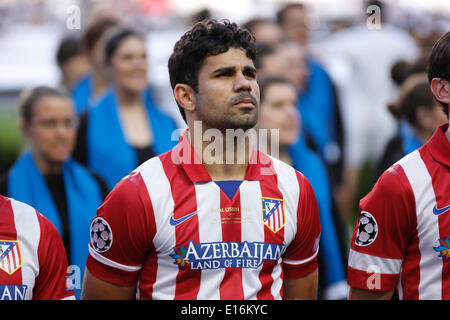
[278, 111]
[418, 113]
[125, 127]
[47, 178]
[94, 83]
[318, 104]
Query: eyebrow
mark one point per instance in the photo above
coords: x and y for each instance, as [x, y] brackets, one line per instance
[233, 69]
[224, 70]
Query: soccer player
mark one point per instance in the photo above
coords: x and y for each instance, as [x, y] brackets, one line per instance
[402, 237]
[184, 227]
[33, 262]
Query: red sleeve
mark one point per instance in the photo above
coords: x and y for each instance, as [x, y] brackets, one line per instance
[300, 258]
[380, 238]
[51, 282]
[122, 233]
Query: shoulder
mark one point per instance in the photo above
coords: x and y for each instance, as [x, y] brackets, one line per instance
[82, 84]
[22, 211]
[392, 184]
[291, 182]
[32, 224]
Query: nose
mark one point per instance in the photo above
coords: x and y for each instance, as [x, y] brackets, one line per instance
[242, 83]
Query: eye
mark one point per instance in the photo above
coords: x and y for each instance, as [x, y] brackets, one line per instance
[250, 73]
[224, 74]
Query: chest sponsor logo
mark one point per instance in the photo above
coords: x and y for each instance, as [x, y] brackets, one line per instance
[443, 249]
[13, 292]
[218, 255]
[10, 256]
[273, 214]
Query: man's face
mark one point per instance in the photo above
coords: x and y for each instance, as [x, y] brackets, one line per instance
[295, 66]
[228, 94]
[52, 129]
[279, 111]
[295, 25]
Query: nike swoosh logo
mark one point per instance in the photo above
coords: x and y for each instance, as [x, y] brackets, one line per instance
[437, 211]
[175, 222]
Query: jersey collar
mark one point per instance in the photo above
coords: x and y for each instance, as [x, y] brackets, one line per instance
[440, 146]
[183, 154]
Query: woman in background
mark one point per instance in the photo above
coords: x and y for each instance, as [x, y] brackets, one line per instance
[124, 128]
[419, 115]
[278, 111]
[48, 179]
[92, 85]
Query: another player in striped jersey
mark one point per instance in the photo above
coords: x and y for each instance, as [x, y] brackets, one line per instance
[33, 262]
[402, 237]
[190, 225]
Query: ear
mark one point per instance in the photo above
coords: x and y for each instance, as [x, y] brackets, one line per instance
[185, 96]
[441, 90]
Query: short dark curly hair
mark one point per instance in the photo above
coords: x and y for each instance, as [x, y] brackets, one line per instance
[207, 37]
[439, 62]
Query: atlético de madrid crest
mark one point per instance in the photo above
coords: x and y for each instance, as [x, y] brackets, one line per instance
[273, 213]
[10, 256]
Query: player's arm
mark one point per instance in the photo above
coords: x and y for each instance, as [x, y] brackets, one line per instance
[380, 238]
[50, 284]
[300, 259]
[361, 294]
[97, 289]
[114, 263]
[304, 288]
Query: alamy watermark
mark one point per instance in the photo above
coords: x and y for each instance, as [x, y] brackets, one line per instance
[73, 21]
[229, 147]
[373, 282]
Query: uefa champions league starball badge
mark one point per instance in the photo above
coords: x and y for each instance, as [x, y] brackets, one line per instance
[367, 229]
[101, 235]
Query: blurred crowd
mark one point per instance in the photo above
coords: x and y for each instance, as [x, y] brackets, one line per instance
[348, 105]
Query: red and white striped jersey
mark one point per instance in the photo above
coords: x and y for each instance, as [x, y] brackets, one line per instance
[402, 237]
[33, 262]
[171, 229]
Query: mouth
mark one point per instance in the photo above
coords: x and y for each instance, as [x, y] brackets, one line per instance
[247, 102]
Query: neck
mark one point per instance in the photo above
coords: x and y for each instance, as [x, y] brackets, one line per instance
[225, 157]
[45, 165]
[100, 83]
[128, 98]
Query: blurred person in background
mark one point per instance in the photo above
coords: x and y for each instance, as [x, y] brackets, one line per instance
[419, 116]
[72, 62]
[279, 110]
[265, 31]
[360, 59]
[268, 61]
[125, 127]
[94, 83]
[47, 178]
[318, 101]
[317, 128]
